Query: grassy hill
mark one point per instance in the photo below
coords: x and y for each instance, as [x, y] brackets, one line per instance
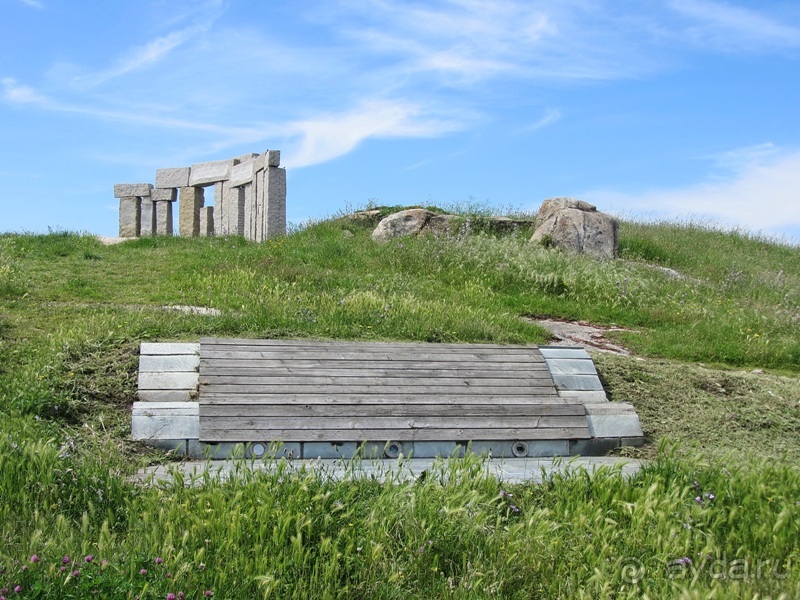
[712, 318]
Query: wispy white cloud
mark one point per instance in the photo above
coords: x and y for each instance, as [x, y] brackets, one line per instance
[33, 3]
[730, 27]
[550, 116]
[762, 195]
[326, 137]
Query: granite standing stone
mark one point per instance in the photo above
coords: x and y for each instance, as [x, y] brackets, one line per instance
[148, 218]
[163, 218]
[130, 215]
[207, 221]
[275, 181]
[192, 200]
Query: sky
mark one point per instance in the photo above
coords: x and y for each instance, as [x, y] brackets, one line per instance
[683, 110]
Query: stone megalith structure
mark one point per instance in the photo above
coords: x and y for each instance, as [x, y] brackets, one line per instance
[576, 226]
[249, 199]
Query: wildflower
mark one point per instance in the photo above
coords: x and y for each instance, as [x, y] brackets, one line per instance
[181, 596]
[88, 558]
[159, 560]
[143, 572]
[65, 560]
[62, 568]
[24, 568]
[513, 508]
[34, 558]
[699, 500]
[170, 596]
[683, 561]
[168, 575]
[76, 573]
[710, 496]
[104, 562]
[208, 593]
[17, 589]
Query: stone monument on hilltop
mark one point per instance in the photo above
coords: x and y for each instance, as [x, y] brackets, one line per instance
[249, 197]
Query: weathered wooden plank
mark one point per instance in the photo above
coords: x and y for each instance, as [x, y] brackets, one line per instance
[445, 347]
[346, 381]
[378, 389]
[149, 363]
[157, 348]
[384, 409]
[215, 370]
[314, 435]
[168, 381]
[303, 365]
[167, 395]
[404, 398]
[477, 356]
[571, 366]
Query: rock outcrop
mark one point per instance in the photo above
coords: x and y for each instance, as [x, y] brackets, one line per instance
[403, 223]
[576, 226]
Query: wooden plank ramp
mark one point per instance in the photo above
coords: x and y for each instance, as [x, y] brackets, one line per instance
[314, 391]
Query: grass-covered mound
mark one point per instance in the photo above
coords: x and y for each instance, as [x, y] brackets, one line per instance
[706, 308]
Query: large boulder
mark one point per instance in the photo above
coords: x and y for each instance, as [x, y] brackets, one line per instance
[403, 223]
[576, 226]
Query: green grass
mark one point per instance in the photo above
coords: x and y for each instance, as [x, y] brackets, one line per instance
[73, 313]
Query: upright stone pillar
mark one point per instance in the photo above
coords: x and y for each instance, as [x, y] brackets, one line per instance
[130, 216]
[130, 195]
[148, 217]
[270, 196]
[163, 199]
[191, 201]
[207, 221]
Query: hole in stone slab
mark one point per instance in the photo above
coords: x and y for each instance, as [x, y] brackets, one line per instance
[520, 449]
[393, 449]
[258, 450]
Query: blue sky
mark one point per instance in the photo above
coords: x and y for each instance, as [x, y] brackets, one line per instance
[679, 109]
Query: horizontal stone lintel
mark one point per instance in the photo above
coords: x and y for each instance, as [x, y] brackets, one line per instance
[125, 190]
[164, 195]
[214, 171]
[172, 178]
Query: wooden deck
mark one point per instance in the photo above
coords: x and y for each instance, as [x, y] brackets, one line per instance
[308, 391]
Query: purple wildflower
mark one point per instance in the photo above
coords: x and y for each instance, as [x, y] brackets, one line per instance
[76, 573]
[34, 558]
[710, 496]
[514, 508]
[62, 568]
[88, 558]
[699, 500]
[65, 560]
[683, 561]
[208, 593]
[159, 560]
[17, 589]
[143, 572]
[181, 596]
[170, 596]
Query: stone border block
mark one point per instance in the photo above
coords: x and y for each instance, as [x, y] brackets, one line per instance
[172, 178]
[164, 195]
[125, 190]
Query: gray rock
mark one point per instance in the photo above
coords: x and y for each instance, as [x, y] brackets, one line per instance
[401, 224]
[211, 172]
[577, 226]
